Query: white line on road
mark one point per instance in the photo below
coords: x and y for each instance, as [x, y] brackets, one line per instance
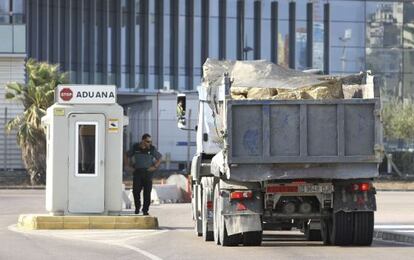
[394, 226]
[142, 252]
[118, 242]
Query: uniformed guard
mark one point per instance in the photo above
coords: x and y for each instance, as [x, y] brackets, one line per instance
[145, 159]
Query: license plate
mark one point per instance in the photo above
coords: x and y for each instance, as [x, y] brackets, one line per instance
[316, 188]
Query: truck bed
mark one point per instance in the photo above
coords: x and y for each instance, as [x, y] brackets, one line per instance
[321, 138]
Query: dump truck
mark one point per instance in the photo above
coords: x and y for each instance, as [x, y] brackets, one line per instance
[291, 160]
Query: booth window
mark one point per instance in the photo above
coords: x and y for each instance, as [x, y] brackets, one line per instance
[86, 149]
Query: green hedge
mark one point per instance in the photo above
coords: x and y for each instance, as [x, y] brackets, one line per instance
[398, 119]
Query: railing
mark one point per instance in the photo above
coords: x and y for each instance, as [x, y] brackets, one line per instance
[10, 154]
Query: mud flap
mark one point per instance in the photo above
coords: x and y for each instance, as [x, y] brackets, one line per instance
[349, 201]
[237, 224]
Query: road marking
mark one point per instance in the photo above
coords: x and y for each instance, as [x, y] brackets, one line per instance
[142, 252]
[394, 226]
[96, 236]
[393, 242]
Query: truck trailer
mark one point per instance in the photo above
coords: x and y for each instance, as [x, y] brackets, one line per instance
[282, 164]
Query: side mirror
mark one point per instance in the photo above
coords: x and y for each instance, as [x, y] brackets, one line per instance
[181, 121]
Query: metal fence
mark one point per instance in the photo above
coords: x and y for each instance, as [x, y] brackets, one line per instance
[10, 153]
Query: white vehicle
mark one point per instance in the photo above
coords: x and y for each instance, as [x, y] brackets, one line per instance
[282, 164]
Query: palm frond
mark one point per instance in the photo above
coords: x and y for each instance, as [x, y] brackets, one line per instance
[36, 96]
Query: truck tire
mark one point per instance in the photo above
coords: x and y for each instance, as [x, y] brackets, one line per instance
[342, 228]
[207, 234]
[313, 234]
[326, 226]
[215, 215]
[253, 238]
[196, 216]
[219, 224]
[226, 240]
[363, 228]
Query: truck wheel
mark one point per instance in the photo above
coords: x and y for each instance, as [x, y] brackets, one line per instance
[207, 234]
[215, 215]
[196, 215]
[363, 228]
[253, 238]
[220, 231]
[326, 226]
[226, 240]
[342, 229]
[313, 234]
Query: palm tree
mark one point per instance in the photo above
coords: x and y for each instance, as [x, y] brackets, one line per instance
[36, 96]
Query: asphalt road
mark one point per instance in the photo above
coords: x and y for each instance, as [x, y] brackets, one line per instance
[176, 240]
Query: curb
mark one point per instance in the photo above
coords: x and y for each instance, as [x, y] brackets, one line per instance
[399, 190]
[43, 221]
[393, 237]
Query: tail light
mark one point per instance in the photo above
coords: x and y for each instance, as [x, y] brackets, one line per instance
[280, 189]
[363, 186]
[240, 195]
[240, 206]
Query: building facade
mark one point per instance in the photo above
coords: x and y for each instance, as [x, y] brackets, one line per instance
[12, 60]
[144, 46]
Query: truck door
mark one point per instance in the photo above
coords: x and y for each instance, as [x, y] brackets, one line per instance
[86, 163]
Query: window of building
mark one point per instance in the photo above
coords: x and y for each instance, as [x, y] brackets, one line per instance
[166, 44]
[265, 39]
[138, 69]
[99, 41]
[74, 34]
[375, 58]
[301, 10]
[151, 45]
[283, 44]
[347, 11]
[390, 84]
[408, 52]
[384, 24]
[111, 41]
[318, 10]
[348, 60]
[248, 37]
[18, 7]
[318, 51]
[408, 88]
[182, 51]
[300, 47]
[126, 34]
[283, 10]
[4, 11]
[197, 39]
[231, 30]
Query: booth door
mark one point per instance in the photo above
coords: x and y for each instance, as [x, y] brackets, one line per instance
[86, 182]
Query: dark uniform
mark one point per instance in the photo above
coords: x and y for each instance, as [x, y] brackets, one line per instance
[142, 159]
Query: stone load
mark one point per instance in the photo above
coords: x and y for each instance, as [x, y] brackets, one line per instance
[260, 79]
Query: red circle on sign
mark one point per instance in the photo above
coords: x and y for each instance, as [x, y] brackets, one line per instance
[66, 94]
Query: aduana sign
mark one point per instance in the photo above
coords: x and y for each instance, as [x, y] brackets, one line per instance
[85, 94]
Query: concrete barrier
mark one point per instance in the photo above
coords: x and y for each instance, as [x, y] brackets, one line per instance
[175, 190]
[161, 194]
[166, 193]
[43, 221]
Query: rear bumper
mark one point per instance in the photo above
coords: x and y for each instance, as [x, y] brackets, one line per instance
[265, 172]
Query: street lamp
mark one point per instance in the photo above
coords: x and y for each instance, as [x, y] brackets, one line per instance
[344, 40]
[246, 50]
